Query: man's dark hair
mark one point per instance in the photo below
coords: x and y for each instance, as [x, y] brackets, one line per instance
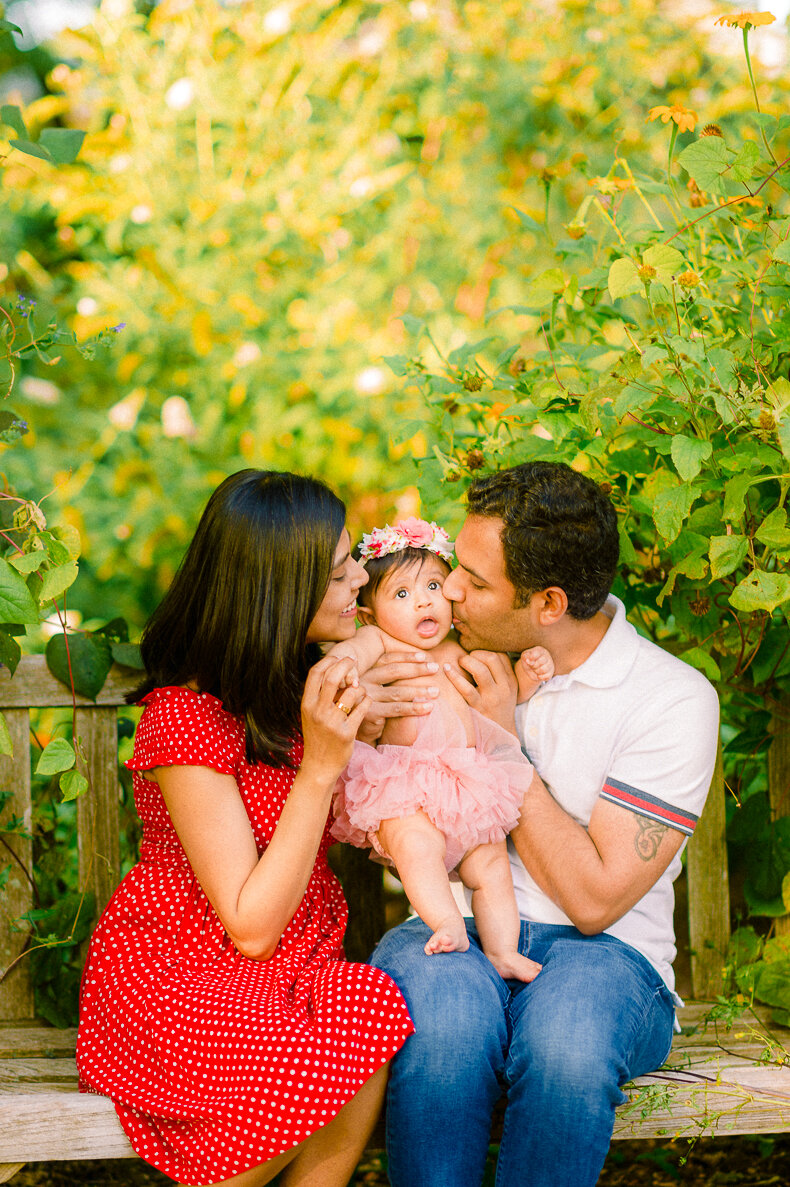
[559, 529]
[379, 567]
[235, 620]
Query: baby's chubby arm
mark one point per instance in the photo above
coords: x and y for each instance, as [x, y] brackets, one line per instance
[365, 648]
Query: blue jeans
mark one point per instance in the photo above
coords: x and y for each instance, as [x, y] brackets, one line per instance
[561, 1047]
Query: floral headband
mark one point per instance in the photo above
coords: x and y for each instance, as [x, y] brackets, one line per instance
[409, 533]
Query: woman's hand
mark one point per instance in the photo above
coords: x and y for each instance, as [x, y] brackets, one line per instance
[494, 690]
[333, 709]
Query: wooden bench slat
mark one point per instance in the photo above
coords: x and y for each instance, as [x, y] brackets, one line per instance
[709, 892]
[98, 823]
[62, 1127]
[16, 989]
[25, 1042]
[38, 1075]
[34, 684]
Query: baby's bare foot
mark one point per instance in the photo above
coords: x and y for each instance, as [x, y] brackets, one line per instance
[513, 966]
[450, 936]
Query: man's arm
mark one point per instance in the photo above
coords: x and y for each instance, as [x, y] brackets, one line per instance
[596, 874]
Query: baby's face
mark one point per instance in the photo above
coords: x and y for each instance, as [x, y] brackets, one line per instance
[410, 606]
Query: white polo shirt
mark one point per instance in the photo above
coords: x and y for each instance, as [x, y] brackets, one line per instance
[639, 727]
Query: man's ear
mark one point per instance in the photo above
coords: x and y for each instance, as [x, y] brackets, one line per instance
[366, 616]
[550, 604]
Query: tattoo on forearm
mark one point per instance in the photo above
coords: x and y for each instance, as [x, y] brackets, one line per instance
[649, 834]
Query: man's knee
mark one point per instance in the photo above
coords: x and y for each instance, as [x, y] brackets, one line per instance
[456, 999]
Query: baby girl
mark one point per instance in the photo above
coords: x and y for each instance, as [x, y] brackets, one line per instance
[440, 793]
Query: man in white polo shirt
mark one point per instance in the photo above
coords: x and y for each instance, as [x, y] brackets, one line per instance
[623, 738]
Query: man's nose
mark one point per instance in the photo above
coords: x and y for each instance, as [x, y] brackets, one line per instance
[452, 589]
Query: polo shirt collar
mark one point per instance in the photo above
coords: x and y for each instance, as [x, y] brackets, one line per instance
[614, 656]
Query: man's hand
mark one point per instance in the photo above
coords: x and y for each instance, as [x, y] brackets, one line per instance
[494, 690]
[397, 700]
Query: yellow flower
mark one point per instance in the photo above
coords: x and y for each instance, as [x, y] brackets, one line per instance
[685, 119]
[740, 20]
[688, 280]
[611, 185]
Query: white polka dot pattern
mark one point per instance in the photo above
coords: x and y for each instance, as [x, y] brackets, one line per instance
[216, 1062]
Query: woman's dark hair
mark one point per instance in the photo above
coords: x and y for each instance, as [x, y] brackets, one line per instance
[235, 620]
[559, 529]
[378, 567]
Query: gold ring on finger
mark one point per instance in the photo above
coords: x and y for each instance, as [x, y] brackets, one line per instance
[343, 708]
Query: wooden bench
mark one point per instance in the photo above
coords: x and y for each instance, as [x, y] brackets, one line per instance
[716, 1082]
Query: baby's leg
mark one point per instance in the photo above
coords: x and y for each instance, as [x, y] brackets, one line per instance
[486, 871]
[532, 668]
[417, 848]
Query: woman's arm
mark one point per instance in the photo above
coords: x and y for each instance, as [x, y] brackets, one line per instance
[256, 897]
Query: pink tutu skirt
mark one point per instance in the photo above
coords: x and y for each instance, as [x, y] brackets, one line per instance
[472, 794]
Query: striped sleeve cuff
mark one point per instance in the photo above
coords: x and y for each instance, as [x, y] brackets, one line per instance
[647, 805]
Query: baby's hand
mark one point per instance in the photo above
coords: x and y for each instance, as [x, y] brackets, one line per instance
[350, 679]
[533, 667]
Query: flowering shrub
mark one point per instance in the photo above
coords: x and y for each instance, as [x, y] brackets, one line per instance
[655, 356]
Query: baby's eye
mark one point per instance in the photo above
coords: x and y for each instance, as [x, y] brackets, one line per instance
[402, 593]
[434, 585]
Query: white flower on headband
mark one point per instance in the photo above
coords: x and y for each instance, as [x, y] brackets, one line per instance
[409, 533]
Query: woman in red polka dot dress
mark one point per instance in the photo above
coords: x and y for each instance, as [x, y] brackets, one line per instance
[217, 1008]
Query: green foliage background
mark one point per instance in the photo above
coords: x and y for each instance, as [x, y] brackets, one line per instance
[272, 199]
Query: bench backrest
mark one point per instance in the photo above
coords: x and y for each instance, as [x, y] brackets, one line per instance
[33, 686]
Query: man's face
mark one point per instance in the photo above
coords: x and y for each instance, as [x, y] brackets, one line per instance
[483, 599]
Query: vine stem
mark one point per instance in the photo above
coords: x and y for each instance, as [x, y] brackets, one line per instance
[768, 148]
[731, 202]
[672, 139]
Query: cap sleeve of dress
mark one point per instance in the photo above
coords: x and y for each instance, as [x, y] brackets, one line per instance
[184, 728]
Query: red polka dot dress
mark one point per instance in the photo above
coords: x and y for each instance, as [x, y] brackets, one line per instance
[217, 1062]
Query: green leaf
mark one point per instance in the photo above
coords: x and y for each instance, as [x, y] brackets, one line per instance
[7, 27]
[397, 363]
[735, 497]
[55, 581]
[69, 537]
[31, 150]
[745, 164]
[16, 603]
[10, 652]
[72, 784]
[11, 116]
[774, 531]
[91, 660]
[6, 745]
[412, 325]
[782, 251]
[705, 160]
[726, 554]
[57, 756]
[772, 984]
[28, 562]
[12, 427]
[128, 655]
[624, 279]
[703, 662]
[670, 509]
[761, 591]
[666, 260]
[62, 144]
[114, 631]
[688, 454]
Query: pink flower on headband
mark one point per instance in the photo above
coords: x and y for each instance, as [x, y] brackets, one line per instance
[409, 533]
[418, 532]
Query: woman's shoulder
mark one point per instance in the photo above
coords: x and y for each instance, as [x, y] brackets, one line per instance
[177, 721]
